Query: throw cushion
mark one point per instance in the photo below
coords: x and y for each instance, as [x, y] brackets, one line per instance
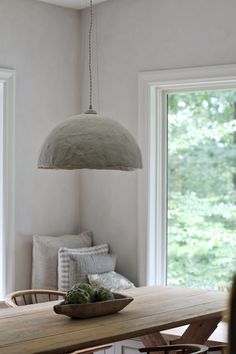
[64, 262]
[45, 250]
[110, 280]
[81, 266]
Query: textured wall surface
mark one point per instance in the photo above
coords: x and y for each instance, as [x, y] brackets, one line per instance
[133, 36]
[42, 43]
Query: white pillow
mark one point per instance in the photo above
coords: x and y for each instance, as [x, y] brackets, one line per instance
[110, 280]
[81, 266]
[45, 250]
[64, 262]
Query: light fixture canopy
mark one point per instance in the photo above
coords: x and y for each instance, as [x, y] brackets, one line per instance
[90, 141]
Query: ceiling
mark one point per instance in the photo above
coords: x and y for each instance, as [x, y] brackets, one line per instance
[75, 4]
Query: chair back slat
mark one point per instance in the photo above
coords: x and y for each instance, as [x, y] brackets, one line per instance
[24, 298]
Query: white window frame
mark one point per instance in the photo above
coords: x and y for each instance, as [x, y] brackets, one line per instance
[7, 77]
[154, 87]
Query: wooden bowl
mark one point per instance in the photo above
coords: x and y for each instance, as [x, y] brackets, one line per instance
[93, 309]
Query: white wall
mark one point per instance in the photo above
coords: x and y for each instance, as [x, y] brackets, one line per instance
[42, 43]
[133, 36]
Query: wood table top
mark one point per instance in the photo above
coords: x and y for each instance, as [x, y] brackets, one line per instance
[37, 329]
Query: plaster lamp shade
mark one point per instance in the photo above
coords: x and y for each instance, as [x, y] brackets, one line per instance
[89, 141]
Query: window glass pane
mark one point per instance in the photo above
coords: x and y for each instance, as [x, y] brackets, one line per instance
[201, 188]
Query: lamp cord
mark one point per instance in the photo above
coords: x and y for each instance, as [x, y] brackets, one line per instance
[90, 110]
[90, 56]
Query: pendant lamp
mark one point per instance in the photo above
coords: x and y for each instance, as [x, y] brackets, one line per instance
[90, 141]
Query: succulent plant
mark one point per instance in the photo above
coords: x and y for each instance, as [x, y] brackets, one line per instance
[83, 293]
[87, 287]
[103, 294]
[77, 296]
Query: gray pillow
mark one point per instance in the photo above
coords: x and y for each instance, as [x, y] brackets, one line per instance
[64, 262]
[81, 266]
[45, 250]
[110, 280]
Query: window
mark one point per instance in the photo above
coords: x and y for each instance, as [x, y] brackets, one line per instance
[7, 85]
[201, 194]
[187, 134]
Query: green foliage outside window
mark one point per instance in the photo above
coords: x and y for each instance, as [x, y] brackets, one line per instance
[201, 188]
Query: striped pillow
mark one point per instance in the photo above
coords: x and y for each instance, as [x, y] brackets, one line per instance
[81, 266]
[64, 262]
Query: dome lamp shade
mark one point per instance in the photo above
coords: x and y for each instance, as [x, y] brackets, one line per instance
[89, 141]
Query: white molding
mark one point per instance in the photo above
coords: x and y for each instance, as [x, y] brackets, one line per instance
[159, 187]
[143, 185]
[152, 180]
[8, 78]
[185, 76]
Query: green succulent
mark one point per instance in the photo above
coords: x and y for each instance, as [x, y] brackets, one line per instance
[87, 287]
[103, 294]
[77, 296]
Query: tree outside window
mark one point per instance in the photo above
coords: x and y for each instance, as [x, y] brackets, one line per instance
[201, 188]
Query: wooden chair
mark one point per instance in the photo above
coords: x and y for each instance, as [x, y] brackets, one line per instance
[232, 320]
[179, 348]
[185, 349]
[231, 347]
[26, 297]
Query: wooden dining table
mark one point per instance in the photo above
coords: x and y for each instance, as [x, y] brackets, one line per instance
[38, 329]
